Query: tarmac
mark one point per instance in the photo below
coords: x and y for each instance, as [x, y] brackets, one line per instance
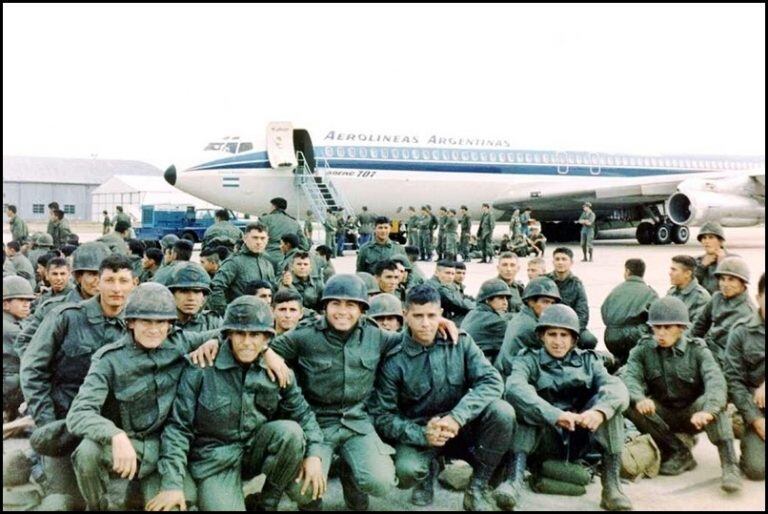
[696, 490]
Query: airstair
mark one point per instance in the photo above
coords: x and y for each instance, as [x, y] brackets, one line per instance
[319, 190]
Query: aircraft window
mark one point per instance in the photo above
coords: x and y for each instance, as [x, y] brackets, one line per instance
[455, 155]
[536, 158]
[231, 147]
[474, 156]
[384, 153]
[328, 151]
[502, 157]
[528, 157]
[363, 152]
[339, 151]
[351, 152]
[545, 158]
[653, 161]
[213, 146]
[578, 159]
[632, 161]
[483, 156]
[374, 153]
[464, 155]
[395, 153]
[436, 155]
[519, 157]
[446, 155]
[245, 147]
[406, 153]
[492, 156]
[511, 157]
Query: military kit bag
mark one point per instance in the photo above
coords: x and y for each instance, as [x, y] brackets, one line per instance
[641, 457]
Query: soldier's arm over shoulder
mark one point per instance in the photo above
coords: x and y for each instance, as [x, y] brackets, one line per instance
[485, 384]
[715, 391]
[287, 345]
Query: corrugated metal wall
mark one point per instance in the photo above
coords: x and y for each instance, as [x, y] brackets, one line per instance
[28, 197]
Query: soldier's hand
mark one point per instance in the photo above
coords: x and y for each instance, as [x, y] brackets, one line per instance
[720, 254]
[311, 473]
[759, 426]
[591, 419]
[448, 424]
[167, 500]
[287, 279]
[760, 396]
[646, 407]
[435, 435]
[206, 352]
[568, 420]
[701, 419]
[277, 369]
[124, 461]
[448, 329]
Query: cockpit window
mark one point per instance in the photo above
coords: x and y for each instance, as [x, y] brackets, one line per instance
[231, 147]
[213, 147]
[245, 147]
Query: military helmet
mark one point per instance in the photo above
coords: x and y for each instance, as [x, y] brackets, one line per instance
[88, 256]
[190, 275]
[386, 304]
[168, 240]
[404, 260]
[492, 288]
[711, 228]
[346, 287]
[734, 266]
[17, 287]
[370, 282]
[43, 239]
[541, 286]
[559, 316]
[668, 311]
[151, 300]
[249, 314]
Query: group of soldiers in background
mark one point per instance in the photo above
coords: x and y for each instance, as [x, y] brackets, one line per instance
[262, 360]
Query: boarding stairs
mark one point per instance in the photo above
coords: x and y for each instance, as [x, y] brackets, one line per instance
[319, 190]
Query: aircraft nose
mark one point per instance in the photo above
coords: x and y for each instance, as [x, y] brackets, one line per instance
[170, 175]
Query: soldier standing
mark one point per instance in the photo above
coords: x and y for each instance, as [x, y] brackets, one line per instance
[425, 235]
[413, 227]
[485, 234]
[587, 222]
[465, 223]
[515, 226]
[330, 224]
[450, 243]
[17, 225]
[442, 215]
[223, 232]
[309, 228]
[106, 225]
[380, 249]
[278, 223]
[366, 221]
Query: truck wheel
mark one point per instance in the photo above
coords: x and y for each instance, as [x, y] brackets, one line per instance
[189, 236]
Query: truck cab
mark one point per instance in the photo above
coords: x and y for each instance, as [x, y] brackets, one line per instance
[182, 220]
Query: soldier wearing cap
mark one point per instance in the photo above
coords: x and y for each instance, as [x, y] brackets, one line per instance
[745, 374]
[685, 285]
[587, 222]
[520, 332]
[277, 224]
[387, 311]
[190, 284]
[727, 307]
[675, 385]
[230, 423]
[434, 398]
[712, 238]
[455, 305]
[370, 282]
[488, 321]
[223, 232]
[121, 407]
[17, 297]
[564, 399]
[625, 311]
[382, 248]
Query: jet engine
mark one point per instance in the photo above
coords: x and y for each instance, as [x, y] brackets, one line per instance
[732, 202]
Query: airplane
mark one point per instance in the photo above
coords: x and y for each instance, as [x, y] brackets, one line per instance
[657, 197]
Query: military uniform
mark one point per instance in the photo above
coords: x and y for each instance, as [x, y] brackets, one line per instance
[587, 232]
[308, 231]
[574, 296]
[203, 321]
[336, 375]
[745, 372]
[465, 223]
[115, 242]
[413, 229]
[425, 236]
[518, 246]
[515, 227]
[61, 233]
[539, 243]
[487, 328]
[12, 397]
[520, 334]
[49, 294]
[455, 305]
[24, 268]
[222, 230]
[717, 319]
[694, 296]
[450, 237]
[231, 422]
[373, 252]
[366, 221]
[485, 235]
[33, 322]
[310, 289]
[330, 225]
[19, 229]
[706, 274]
[278, 224]
[515, 301]
[164, 274]
[147, 274]
[441, 236]
[234, 274]
[106, 225]
[525, 218]
[122, 216]
[625, 313]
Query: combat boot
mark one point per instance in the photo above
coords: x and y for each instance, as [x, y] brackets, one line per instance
[731, 480]
[590, 255]
[680, 462]
[424, 492]
[475, 498]
[314, 505]
[508, 492]
[265, 501]
[354, 498]
[613, 498]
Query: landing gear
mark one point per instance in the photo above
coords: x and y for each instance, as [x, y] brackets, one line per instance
[644, 233]
[680, 234]
[662, 235]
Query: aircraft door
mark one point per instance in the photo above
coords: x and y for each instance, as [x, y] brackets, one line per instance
[280, 145]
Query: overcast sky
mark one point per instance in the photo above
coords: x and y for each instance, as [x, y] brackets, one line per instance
[152, 82]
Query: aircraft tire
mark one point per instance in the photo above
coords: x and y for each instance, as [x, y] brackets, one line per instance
[680, 234]
[644, 233]
[662, 234]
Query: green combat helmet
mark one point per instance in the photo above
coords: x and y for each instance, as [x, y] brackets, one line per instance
[492, 288]
[404, 260]
[346, 287]
[190, 275]
[44, 240]
[559, 316]
[168, 240]
[386, 304]
[17, 287]
[370, 282]
[249, 314]
[668, 311]
[541, 286]
[151, 300]
[711, 228]
[88, 256]
[734, 266]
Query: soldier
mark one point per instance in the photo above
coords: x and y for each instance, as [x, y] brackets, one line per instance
[210, 259]
[465, 225]
[387, 311]
[425, 235]
[222, 232]
[485, 233]
[121, 216]
[537, 242]
[244, 266]
[564, 397]
[572, 293]
[520, 333]
[515, 226]
[458, 278]
[442, 215]
[41, 245]
[587, 222]
[17, 297]
[366, 221]
[415, 275]
[455, 305]
[20, 262]
[413, 227]
[289, 246]
[404, 266]
[745, 374]
[136, 253]
[625, 311]
[330, 224]
[278, 223]
[230, 422]
[287, 309]
[153, 259]
[712, 238]
[433, 398]
[537, 267]
[116, 239]
[380, 249]
[106, 225]
[309, 229]
[190, 284]
[433, 224]
[685, 285]
[57, 274]
[508, 266]
[166, 245]
[181, 253]
[261, 289]
[488, 321]
[371, 284]
[450, 242]
[387, 276]
[525, 218]
[518, 246]
[729, 306]
[675, 385]
[17, 225]
[53, 206]
[324, 269]
[57, 359]
[60, 228]
[300, 279]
